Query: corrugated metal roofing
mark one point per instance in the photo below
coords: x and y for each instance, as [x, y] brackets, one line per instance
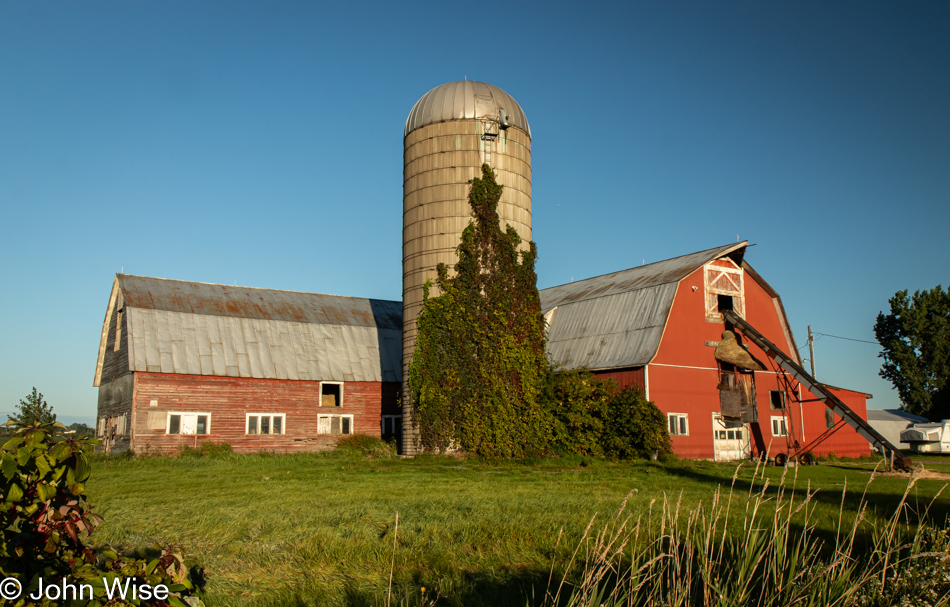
[465, 99]
[894, 415]
[207, 329]
[617, 320]
[263, 304]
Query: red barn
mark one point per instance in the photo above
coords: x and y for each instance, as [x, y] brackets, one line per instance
[181, 363]
[659, 327]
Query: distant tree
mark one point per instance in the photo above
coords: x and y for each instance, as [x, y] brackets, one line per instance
[33, 409]
[915, 337]
[81, 430]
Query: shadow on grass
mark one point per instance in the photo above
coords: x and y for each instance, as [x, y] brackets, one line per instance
[474, 589]
[880, 504]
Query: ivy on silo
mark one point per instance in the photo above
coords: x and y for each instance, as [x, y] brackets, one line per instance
[478, 370]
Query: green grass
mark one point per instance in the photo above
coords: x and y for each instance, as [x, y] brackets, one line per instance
[319, 529]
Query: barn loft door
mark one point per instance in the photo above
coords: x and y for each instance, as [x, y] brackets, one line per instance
[737, 394]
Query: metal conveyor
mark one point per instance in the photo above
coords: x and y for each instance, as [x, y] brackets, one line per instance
[899, 460]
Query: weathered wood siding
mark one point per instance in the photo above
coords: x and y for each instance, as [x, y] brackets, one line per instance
[228, 400]
[115, 363]
[113, 421]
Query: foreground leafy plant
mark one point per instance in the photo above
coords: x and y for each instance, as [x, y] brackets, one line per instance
[45, 517]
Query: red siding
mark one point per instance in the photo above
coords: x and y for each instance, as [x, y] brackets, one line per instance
[228, 400]
[683, 376]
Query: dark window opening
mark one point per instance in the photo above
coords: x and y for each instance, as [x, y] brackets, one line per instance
[725, 302]
[330, 395]
[174, 424]
[391, 427]
[776, 400]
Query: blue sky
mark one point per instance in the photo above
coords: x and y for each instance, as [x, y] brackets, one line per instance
[261, 144]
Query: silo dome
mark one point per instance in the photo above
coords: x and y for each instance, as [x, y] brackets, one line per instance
[450, 133]
[465, 99]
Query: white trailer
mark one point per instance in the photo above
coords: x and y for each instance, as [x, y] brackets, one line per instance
[928, 437]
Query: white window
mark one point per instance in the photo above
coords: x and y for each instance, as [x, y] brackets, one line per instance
[391, 426]
[331, 394]
[335, 425]
[679, 424]
[724, 289]
[729, 434]
[188, 423]
[778, 426]
[265, 423]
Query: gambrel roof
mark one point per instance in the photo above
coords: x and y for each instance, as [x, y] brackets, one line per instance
[194, 328]
[617, 320]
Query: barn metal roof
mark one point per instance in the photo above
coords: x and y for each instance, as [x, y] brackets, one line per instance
[894, 415]
[465, 99]
[196, 328]
[617, 320]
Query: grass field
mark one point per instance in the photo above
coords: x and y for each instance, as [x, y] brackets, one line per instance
[321, 529]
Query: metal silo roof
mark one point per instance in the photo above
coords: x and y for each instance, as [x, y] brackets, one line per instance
[465, 99]
[617, 320]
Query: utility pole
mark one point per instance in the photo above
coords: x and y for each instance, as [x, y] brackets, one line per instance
[811, 352]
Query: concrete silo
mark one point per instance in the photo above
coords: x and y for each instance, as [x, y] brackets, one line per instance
[451, 131]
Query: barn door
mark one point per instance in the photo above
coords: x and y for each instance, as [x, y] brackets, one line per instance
[731, 440]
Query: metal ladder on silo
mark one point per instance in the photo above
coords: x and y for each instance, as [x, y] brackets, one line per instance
[489, 134]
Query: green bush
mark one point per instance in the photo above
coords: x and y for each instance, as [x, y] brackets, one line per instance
[365, 444]
[44, 517]
[211, 449]
[592, 417]
[206, 449]
[578, 401]
[634, 427]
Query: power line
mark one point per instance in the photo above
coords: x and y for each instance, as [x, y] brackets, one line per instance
[864, 341]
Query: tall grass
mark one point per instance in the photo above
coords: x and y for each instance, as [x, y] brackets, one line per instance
[678, 557]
